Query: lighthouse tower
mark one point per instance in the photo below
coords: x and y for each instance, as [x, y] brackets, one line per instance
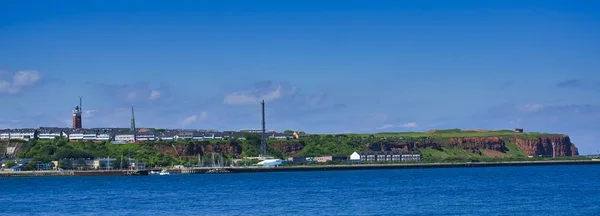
[77, 115]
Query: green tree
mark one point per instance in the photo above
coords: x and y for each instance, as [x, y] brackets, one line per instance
[32, 165]
[10, 164]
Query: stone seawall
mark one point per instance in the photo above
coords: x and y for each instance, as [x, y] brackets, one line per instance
[73, 173]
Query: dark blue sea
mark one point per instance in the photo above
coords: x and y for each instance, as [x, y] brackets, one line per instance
[544, 190]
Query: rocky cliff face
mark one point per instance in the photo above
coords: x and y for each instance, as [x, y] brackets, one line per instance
[292, 148]
[195, 149]
[469, 143]
[546, 145]
[540, 146]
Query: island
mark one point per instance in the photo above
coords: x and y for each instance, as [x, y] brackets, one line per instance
[435, 146]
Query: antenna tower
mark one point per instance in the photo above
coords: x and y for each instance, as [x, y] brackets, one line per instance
[263, 142]
[81, 113]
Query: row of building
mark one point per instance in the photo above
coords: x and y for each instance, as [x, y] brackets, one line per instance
[81, 164]
[370, 156]
[123, 135]
[106, 163]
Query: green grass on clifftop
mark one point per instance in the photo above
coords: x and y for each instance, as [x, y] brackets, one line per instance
[458, 133]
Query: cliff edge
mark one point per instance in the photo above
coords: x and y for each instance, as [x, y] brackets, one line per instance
[440, 143]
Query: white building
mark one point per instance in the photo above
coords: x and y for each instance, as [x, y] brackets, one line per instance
[89, 136]
[411, 157]
[355, 156]
[23, 134]
[145, 137]
[4, 135]
[184, 135]
[48, 135]
[125, 138]
[166, 136]
[208, 136]
[103, 137]
[76, 136]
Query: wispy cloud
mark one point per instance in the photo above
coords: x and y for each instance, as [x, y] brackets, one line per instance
[405, 125]
[507, 84]
[154, 94]
[579, 84]
[20, 80]
[316, 99]
[572, 83]
[194, 118]
[138, 93]
[88, 113]
[266, 90]
[530, 107]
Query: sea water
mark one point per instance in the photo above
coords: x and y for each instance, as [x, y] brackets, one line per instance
[543, 190]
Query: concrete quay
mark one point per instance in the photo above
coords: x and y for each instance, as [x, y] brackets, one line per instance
[255, 169]
[73, 173]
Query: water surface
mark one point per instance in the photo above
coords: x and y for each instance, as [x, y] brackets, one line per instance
[543, 190]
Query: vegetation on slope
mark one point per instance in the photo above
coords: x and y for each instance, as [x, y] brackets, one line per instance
[312, 145]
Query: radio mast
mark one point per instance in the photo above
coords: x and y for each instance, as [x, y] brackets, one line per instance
[263, 141]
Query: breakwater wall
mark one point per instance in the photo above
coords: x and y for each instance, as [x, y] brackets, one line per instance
[406, 166]
[255, 169]
[73, 173]
[35, 173]
[360, 166]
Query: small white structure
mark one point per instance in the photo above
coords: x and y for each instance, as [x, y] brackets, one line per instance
[270, 163]
[355, 156]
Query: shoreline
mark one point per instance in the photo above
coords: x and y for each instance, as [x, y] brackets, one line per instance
[411, 166]
[227, 170]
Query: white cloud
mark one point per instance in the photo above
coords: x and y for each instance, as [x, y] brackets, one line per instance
[203, 116]
[20, 80]
[252, 97]
[190, 119]
[194, 118]
[405, 125]
[26, 78]
[315, 99]
[88, 113]
[154, 94]
[530, 107]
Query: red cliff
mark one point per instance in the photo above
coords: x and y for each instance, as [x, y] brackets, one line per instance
[195, 149]
[548, 145]
[291, 148]
[540, 146]
[469, 143]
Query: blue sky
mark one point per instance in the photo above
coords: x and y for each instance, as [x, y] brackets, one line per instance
[322, 66]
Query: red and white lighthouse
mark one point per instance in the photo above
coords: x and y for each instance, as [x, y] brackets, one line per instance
[77, 115]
